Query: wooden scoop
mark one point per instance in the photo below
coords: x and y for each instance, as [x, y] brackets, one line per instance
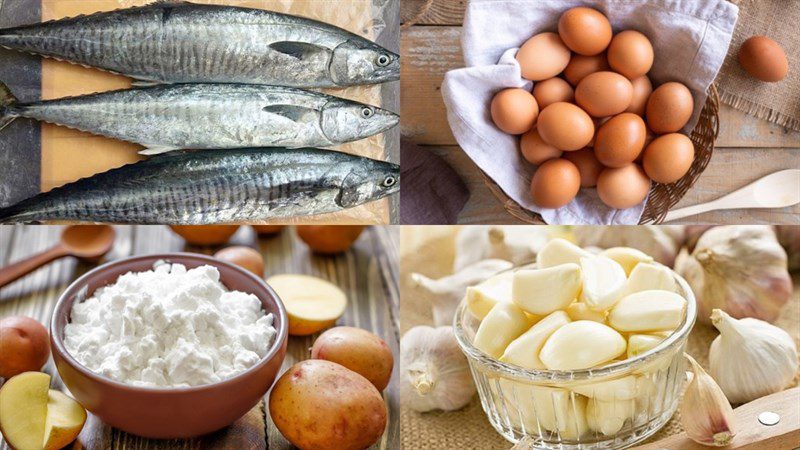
[85, 242]
[777, 190]
[755, 426]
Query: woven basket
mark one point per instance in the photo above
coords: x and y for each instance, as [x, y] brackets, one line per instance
[662, 197]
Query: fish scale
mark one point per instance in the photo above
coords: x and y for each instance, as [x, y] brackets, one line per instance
[203, 116]
[190, 43]
[224, 186]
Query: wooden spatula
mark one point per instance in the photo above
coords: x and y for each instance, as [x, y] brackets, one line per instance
[752, 431]
[777, 190]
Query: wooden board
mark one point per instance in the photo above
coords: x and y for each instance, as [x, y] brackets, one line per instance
[368, 274]
[746, 148]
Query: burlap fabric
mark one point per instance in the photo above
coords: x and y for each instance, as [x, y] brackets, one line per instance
[776, 102]
[429, 250]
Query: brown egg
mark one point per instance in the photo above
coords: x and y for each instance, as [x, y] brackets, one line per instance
[649, 137]
[25, 345]
[244, 257]
[535, 150]
[604, 94]
[551, 91]
[642, 88]
[205, 234]
[555, 183]
[620, 140]
[623, 187]
[598, 122]
[580, 66]
[764, 59]
[565, 126]
[329, 239]
[669, 108]
[588, 165]
[543, 56]
[630, 54]
[514, 110]
[585, 31]
[668, 158]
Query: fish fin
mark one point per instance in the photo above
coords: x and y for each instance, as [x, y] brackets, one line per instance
[293, 112]
[7, 100]
[299, 50]
[157, 150]
[164, 2]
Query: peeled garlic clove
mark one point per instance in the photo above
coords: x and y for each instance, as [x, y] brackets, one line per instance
[524, 350]
[640, 343]
[560, 251]
[648, 311]
[706, 415]
[504, 323]
[580, 345]
[482, 297]
[542, 291]
[624, 388]
[627, 257]
[603, 282]
[579, 311]
[645, 277]
[608, 417]
[547, 408]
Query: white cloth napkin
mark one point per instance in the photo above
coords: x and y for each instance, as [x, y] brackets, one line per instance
[690, 39]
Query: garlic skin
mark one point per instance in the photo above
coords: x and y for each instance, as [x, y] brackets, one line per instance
[517, 244]
[446, 293]
[542, 291]
[627, 257]
[706, 415]
[740, 269]
[580, 345]
[560, 251]
[524, 350]
[434, 373]
[750, 358]
[504, 323]
[603, 282]
[482, 297]
[644, 311]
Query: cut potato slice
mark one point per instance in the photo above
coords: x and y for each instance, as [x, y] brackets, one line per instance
[34, 417]
[312, 304]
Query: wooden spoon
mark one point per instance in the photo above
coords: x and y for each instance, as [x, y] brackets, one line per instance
[85, 242]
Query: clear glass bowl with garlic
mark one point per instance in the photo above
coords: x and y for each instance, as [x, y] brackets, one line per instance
[578, 350]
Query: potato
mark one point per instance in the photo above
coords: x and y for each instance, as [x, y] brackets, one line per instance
[205, 234]
[358, 350]
[25, 344]
[329, 239]
[321, 405]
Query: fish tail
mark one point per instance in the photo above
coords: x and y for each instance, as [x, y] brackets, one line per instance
[7, 101]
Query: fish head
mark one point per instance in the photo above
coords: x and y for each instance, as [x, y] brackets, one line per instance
[371, 181]
[363, 62]
[346, 121]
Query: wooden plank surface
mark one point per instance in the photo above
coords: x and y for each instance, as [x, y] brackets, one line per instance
[368, 274]
[746, 148]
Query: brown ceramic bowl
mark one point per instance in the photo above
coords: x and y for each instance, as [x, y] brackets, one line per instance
[168, 412]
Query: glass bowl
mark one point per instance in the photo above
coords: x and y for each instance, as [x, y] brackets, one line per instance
[630, 399]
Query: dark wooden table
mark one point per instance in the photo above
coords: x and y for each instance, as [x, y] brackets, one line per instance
[368, 274]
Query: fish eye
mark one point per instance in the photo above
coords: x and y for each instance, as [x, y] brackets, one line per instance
[383, 61]
[367, 112]
[389, 181]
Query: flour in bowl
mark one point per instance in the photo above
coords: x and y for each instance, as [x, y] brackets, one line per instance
[169, 327]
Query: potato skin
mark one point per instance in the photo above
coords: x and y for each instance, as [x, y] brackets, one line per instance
[321, 405]
[358, 350]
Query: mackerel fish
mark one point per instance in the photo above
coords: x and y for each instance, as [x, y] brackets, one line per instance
[209, 116]
[224, 186]
[177, 42]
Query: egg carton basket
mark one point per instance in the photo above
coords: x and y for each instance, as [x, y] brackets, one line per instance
[661, 197]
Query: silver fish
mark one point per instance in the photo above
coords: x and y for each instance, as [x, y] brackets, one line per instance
[191, 43]
[209, 116]
[224, 186]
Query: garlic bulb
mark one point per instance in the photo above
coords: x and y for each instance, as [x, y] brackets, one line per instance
[434, 374]
[662, 242]
[739, 269]
[518, 244]
[789, 237]
[706, 415]
[445, 293]
[750, 358]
